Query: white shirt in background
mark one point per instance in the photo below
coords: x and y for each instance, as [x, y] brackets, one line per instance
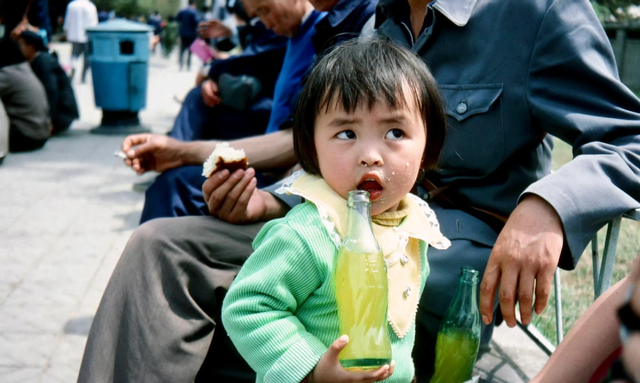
[81, 14]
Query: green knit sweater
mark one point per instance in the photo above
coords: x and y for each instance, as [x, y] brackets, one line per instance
[281, 310]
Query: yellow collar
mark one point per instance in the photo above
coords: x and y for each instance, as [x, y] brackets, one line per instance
[420, 222]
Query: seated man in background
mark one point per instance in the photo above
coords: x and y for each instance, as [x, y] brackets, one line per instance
[23, 96]
[177, 192]
[207, 113]
[62, 102]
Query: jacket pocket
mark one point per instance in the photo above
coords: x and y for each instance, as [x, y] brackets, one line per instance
[475, 138]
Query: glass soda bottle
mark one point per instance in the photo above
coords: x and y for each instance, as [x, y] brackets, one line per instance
[459, 335]
[362, 290]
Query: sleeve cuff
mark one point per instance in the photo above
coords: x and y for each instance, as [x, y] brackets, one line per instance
[569, 216]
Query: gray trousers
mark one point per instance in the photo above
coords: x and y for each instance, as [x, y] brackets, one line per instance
[26, 106]
[159, 319]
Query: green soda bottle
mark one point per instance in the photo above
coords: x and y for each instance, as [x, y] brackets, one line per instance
[459, 334]
[362, 290]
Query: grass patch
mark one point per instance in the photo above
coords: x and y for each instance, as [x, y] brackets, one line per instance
[577, 285]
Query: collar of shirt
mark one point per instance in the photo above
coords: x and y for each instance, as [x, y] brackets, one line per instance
[306, 16]
[458, 11]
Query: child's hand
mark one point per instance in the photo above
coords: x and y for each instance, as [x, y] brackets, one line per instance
[329, 369]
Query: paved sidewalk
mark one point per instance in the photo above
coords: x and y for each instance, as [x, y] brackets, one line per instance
[66, 213]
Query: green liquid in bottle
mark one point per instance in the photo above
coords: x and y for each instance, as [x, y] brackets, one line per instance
[459, 334]
[361, 294]
[455, 356]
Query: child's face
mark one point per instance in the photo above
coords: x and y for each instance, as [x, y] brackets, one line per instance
[378, 150]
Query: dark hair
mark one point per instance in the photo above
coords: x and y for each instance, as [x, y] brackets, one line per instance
[368, 71]
[34, 39]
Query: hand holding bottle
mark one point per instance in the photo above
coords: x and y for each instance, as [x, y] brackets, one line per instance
[329, 368]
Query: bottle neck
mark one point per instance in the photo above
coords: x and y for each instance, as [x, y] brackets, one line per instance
[466, 294]
[465, 299]
[358, 221]
[359, 233]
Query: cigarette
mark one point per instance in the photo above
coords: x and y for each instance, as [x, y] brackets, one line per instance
[120, 153]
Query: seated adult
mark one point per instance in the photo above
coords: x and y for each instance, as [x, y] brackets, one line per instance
[62, 102]
[209, 112]
[23, 97]
[510, 71]
[177, 192]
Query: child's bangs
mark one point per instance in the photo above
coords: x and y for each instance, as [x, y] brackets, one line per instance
[360, 85]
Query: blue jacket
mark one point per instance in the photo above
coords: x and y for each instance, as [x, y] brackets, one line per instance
[547, 67]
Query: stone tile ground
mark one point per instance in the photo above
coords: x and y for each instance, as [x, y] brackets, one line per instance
[66, 213]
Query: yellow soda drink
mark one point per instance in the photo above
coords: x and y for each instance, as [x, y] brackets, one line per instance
[362, 291]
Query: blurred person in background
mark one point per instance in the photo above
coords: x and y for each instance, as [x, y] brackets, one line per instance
[25, 122]
[103, 15]
[188, 20]
[155, 21]
[81, 14]
[62, 102]
[169, 35]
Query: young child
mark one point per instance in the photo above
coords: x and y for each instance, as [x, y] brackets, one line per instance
[370, 117]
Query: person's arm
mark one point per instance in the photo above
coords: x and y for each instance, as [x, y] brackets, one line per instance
[593, 338]
[158, 152]
[590, 341]
[266, 152]
[574, 93]
[258, 311]
[259, 314]
[65, 25]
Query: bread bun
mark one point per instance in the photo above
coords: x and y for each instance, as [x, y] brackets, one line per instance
[224, 157]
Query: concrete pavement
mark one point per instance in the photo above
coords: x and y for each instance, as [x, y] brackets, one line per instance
[67, 211]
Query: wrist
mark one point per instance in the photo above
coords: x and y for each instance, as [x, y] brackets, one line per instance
[274, 208]
[196, 152]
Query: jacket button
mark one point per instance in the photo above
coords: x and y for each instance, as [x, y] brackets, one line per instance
[461, 108]
[407, 291]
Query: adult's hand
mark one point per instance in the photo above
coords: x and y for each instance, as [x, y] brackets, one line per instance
[152, 152]
[329, 370]
[210, 94]
[234, 198]
[526, 254]
[213, 29]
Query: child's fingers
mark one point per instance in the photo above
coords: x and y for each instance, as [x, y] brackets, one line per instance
[392, 366]
[336, 347]
[375, 376]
